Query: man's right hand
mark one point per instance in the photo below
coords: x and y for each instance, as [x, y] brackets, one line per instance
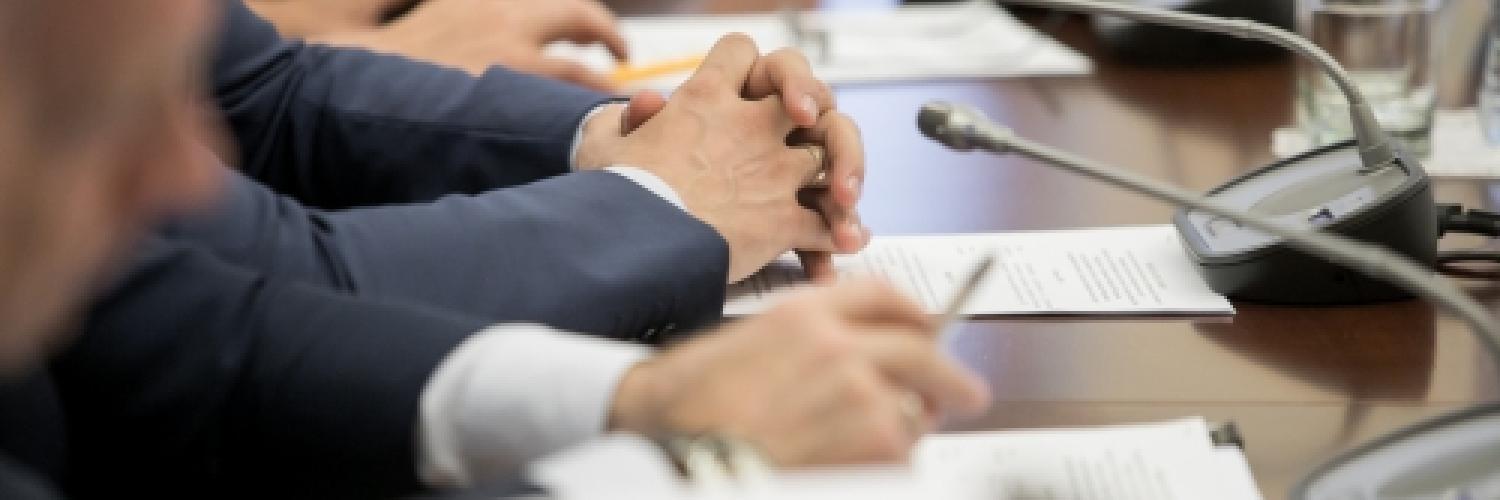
[849, 374]
[727, 157]
[473, 35]
[303, 18]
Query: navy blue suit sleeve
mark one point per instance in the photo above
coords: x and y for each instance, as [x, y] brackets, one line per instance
[589, 252]
[18, 483]
[338, 127]
[194, 378]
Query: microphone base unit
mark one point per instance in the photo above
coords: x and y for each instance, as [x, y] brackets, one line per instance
[1456, 455]
[1397, 213]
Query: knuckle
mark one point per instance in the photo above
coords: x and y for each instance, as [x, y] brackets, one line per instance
[598, 11]
[803, 223]
[738, 39]
[768, 110]
[795, 162]
[846, 124]
[791, 57]
[702, 85]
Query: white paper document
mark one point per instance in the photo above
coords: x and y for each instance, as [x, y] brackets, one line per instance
[1132, 270]
[972, 39]
[1174, 460]
[1171, 460]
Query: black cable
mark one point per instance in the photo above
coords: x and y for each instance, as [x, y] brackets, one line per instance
[1453, 218]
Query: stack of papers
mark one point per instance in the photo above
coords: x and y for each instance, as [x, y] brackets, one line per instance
[1173, 460]
[970, 39]
[1131, 270]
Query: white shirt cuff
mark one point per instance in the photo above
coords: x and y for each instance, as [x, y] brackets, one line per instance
[578, 133]
[641, 177]
[513, 393]
[644, 178]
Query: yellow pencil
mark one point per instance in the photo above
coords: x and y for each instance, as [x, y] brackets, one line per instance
[631, 74]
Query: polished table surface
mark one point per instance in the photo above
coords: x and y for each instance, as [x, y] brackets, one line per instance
[1302, 383]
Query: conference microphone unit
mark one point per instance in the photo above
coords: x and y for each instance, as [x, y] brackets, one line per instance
[1453, 456]
[1369, 189]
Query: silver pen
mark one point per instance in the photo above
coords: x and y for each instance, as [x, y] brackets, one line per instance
[965, 293]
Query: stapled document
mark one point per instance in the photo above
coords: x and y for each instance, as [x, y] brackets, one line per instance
[1172, 460]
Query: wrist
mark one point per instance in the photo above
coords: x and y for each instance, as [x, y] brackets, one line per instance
[630, 407]
[598, 137]
[367, 38]
[298, 20]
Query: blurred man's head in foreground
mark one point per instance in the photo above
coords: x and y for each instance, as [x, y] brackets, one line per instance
[102, 128]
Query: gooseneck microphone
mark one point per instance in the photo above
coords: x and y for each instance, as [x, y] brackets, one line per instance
[966, 129]
[1442, 456]
[1376, 150]
[1367, 188]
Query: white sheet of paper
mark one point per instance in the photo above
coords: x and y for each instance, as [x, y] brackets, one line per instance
[1235, 476]
[1118, 270]
[973, 39]
[1171, 460]
[628, 467]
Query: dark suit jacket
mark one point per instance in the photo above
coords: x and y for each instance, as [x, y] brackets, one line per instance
[268, 350]
[195, 378]
[337, 128]
[590, 252]
[18, 482]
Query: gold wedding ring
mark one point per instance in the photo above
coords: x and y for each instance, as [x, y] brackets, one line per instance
[818, 178]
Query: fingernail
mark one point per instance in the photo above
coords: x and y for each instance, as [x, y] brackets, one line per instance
[810, 105]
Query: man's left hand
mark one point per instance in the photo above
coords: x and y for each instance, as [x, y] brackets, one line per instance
[811, 106]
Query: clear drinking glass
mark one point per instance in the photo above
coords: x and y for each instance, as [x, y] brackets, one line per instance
[1489, 89]
[1386, 46]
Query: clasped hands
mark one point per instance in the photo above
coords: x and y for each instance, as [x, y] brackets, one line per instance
[841, 374]
[732, 142]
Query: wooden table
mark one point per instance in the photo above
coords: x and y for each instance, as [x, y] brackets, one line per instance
[1302, 383]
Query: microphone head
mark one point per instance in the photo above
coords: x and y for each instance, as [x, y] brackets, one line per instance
[932, 119]
[948, 124]
[961, 128]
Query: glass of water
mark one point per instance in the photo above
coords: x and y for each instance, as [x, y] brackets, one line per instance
[1386, 46]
